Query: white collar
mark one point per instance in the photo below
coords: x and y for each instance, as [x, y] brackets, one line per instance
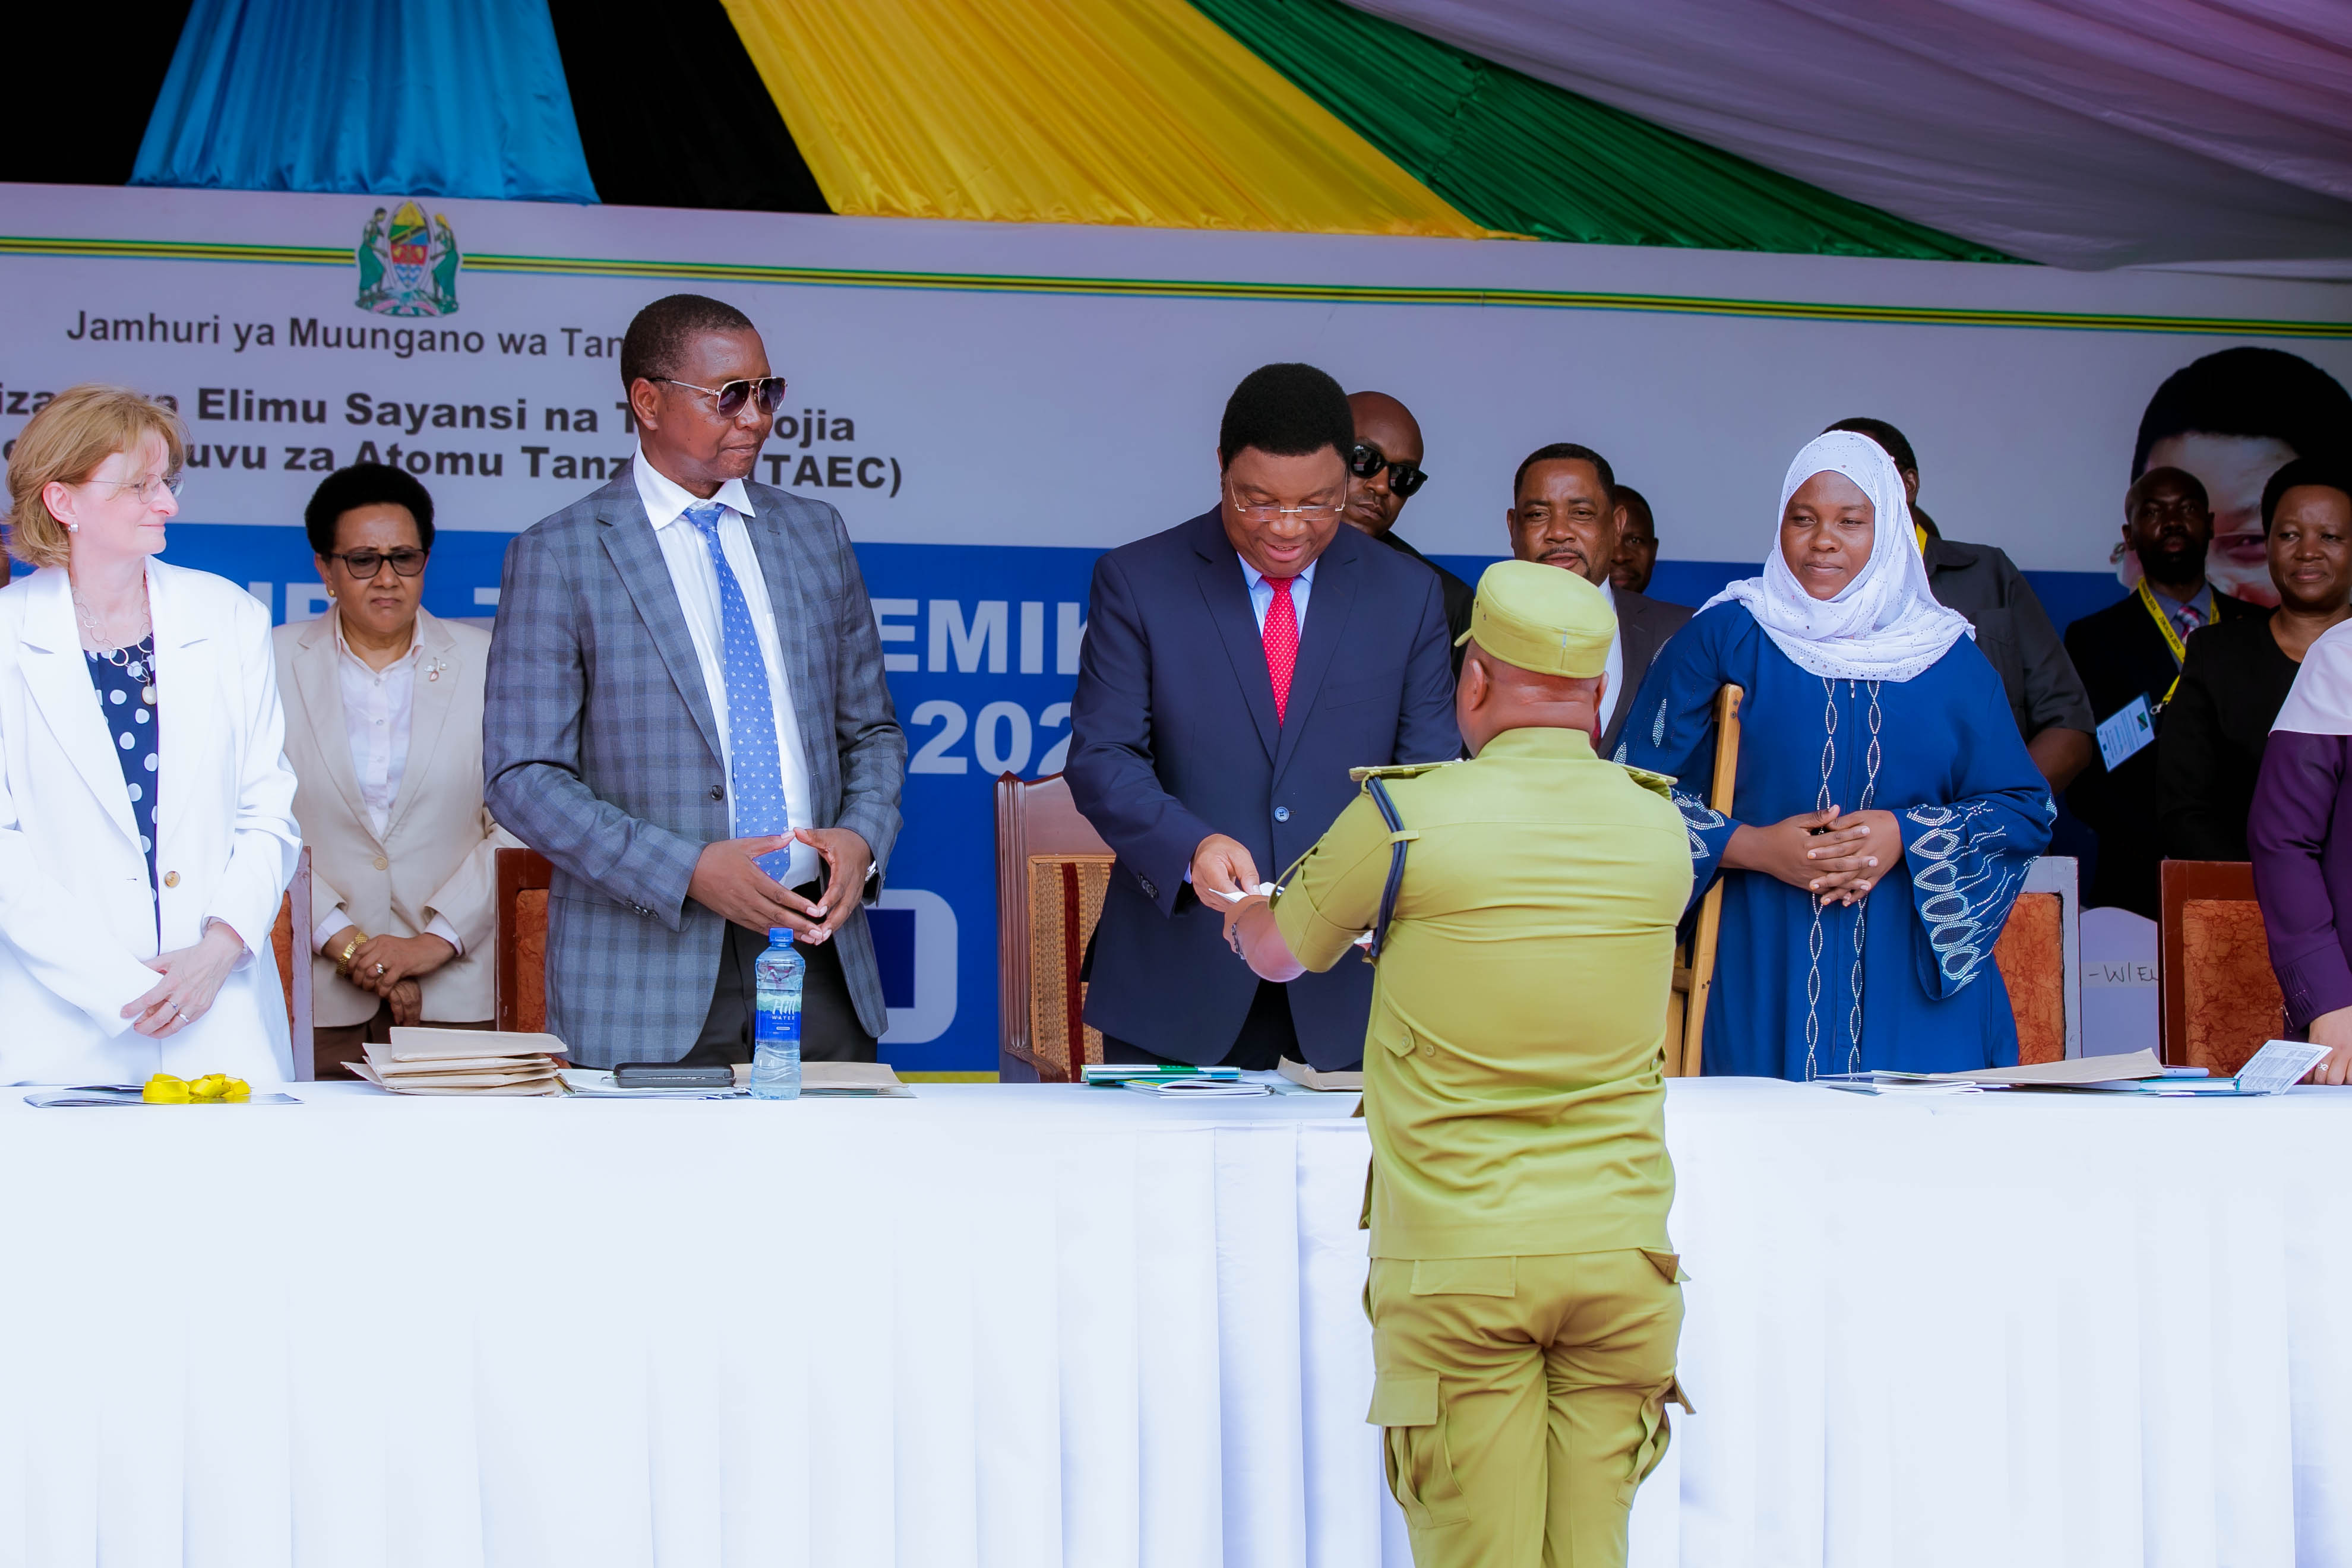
[415, 642]
[666, 500]
[1606, 592]
[1252, 576]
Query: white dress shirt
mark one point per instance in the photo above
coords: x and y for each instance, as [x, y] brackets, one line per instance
[1614, 697]
[696, 582]
[378, 705]
[1261, 593]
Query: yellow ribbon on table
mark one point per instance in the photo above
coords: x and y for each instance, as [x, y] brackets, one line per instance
[213, 1087]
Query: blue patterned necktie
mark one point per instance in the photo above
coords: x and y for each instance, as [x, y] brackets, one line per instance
[758, 762]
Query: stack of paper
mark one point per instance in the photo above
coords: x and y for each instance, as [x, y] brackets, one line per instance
[1308, 1078]
[464, 1061]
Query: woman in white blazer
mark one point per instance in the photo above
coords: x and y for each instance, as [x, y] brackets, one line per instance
[147, 826]
[384, 730]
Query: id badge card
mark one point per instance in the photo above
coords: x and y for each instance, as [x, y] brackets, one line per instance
[2125, 732]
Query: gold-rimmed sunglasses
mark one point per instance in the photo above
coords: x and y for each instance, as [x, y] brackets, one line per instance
[768, 391]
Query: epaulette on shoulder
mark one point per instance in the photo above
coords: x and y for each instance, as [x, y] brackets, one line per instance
[1396, 771]
[1656, 784]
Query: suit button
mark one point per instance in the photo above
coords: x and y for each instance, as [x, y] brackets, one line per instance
[1149, 891]
[382, 864]
[1281, 814]
[719, 791]
[170, 878]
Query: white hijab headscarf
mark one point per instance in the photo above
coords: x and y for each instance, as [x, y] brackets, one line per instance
[1884, 625]
[2320, 700]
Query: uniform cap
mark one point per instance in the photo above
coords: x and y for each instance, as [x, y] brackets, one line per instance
[1542, 618]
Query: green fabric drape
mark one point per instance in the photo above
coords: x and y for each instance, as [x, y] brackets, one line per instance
[1520, 155]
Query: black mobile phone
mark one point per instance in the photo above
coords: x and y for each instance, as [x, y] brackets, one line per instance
[671, 1075]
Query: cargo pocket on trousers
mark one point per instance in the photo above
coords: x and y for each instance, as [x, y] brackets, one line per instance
[1421, 1471]
[1657, 1433]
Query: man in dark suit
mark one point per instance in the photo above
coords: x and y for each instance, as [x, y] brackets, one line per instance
[2045, 692]
[1235, 668]
[1383, 472]
[1565, 512]
[685, 712]
[2134, 649]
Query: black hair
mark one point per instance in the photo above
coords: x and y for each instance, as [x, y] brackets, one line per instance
[1628, 498]
[2250, 391]
[1287, 411]
[365, 484]
[2181, 476]
[658, 334]
[1888, 437]
[2316, 472]
[1565, 452]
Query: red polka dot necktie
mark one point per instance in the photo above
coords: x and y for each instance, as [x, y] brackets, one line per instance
[1281, 643]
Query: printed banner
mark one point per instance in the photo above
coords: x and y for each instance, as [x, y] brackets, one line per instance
[991, 405]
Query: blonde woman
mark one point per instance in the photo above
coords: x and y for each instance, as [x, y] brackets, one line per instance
[147, 825]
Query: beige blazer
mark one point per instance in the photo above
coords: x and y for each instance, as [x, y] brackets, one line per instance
[77, 912]
[438, 857]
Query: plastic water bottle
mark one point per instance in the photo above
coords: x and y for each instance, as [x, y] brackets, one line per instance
[776, 1038]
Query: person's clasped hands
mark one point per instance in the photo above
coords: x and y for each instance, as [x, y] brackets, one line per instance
[1832, 854]
[192, 979]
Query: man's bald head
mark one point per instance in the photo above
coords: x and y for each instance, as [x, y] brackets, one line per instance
[1493, 695]
[1388, 427]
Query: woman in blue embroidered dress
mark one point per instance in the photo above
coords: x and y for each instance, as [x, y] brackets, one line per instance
[1884, 810]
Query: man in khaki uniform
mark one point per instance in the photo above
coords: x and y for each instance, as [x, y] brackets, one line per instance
[1522, 1295]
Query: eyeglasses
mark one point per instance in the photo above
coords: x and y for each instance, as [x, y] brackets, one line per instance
[1366, 460]
[1261, 513]
[769, 390]
[364, 564]
[150, 491]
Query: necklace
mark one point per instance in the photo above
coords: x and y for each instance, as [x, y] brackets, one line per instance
[135, 658]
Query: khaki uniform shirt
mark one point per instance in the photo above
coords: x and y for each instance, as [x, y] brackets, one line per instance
[1513, 1069]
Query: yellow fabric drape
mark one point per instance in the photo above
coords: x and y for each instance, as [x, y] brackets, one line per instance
[1095, 111]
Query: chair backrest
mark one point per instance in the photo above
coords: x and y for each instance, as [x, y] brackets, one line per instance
[2040, 955]
[1052, 871]
[290, 942]
[521, 922]
[2220, 998]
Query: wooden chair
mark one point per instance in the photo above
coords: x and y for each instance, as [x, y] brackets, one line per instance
[2041, 960]
[521, 924]
[1052, 871]
[289, 940]
[2219, 997]
[1695, 964]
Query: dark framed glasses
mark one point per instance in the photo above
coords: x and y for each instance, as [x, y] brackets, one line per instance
[364, 564]
[766, 391]
[1366, 460]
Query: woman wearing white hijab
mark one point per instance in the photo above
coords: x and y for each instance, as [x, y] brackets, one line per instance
[1884, 811]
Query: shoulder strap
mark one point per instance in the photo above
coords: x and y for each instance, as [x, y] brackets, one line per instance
[1398, 839]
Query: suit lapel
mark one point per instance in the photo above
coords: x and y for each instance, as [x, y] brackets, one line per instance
[786, 564]
[57, 672]
[636, 554]
[1327, 605]
[319, 686]
[187, 704]
[428, 714]
[1219, 571]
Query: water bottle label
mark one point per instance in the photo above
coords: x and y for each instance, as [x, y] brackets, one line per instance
[777, 1027]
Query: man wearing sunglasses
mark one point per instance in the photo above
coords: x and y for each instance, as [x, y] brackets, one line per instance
[687, 714]
[1384, 472]
[1236, 667]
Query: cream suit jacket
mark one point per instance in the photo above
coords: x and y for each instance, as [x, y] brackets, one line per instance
[438, 853]
[77, 916]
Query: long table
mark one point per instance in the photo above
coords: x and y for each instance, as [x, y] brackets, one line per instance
[1013, 1326]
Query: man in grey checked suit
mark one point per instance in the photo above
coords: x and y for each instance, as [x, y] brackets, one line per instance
[685, 713]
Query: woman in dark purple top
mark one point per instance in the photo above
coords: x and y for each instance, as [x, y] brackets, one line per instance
[2303, 870]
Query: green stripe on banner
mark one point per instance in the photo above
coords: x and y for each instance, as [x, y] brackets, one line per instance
[1521, 155]
[1188, 289]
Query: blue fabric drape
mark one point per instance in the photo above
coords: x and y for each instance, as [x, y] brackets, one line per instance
[429, 98]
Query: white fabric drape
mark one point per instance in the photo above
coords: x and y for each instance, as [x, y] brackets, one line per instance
[1884, 625]
[2080, 132]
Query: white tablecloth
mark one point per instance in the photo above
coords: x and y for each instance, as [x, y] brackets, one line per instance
[1027, 1326]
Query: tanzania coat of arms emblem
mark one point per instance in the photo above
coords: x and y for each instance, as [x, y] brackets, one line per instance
[406, 266]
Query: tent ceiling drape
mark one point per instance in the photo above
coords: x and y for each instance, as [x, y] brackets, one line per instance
[2080, 132]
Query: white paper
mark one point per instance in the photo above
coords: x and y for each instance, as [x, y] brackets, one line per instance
[2126, 731]
[2278, 1067]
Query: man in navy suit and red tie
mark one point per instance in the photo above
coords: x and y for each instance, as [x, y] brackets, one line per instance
[1235, 668]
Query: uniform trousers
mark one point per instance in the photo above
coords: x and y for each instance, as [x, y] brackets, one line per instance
[1524, 1400]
